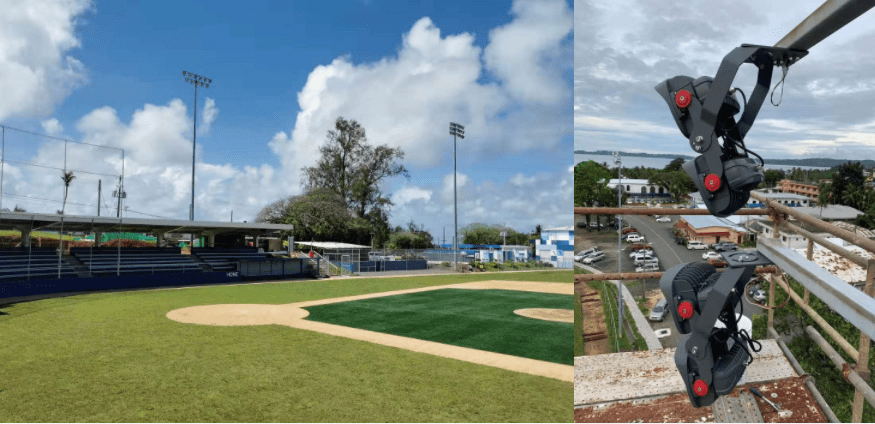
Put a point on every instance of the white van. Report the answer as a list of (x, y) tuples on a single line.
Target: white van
[(697, 245)]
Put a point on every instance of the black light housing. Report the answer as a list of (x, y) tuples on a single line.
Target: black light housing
[(711, 360), (724, 174)]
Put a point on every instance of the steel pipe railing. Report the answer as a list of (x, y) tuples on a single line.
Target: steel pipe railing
[(846, 235), (659, 211), (850, 374)]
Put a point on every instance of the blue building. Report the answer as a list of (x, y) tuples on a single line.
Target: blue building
[(556, 246)]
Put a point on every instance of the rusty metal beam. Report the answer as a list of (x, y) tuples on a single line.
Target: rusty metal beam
[(831, 16), (579, 278), (659, 211), (846, 235), (844, 367)]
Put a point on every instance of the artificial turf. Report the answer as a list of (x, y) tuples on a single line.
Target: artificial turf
[(109, 357), (478, 319)]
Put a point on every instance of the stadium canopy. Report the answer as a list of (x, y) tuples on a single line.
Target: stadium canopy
[(331, 245), (27, 222)]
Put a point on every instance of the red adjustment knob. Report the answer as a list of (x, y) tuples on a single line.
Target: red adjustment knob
[(683, 98), (712, 182), (685, 310), (700, 388)]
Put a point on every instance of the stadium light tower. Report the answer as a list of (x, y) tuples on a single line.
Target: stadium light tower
[(619, 162), (196, 80), (456, 130)]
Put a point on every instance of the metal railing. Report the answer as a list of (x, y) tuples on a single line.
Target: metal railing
[(855, 306)]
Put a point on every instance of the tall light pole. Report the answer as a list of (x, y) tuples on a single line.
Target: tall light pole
[(196, 80), (619, 162), (456, 130)]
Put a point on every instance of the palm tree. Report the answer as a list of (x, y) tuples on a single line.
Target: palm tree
[(68, 178)]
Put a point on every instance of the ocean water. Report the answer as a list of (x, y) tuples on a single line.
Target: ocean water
[(658, 163)]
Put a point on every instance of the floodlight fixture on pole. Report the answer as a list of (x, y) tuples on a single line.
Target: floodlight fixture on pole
[(456, 130), (196, 80)]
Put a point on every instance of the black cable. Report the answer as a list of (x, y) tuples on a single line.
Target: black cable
[(781, 83)]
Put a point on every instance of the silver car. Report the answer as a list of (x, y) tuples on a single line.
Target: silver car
[(659, 311)]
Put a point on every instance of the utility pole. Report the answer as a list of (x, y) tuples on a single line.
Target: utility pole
[(232, 216), (456, 130), (120, 194), (619, 162), (98, 197)]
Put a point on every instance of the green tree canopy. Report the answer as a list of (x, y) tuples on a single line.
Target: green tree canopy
[(480, 233), (678, 183), (676, 164), (353, 170)]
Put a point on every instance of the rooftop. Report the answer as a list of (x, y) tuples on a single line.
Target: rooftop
[(831, 212), (568, 228), (705, 221), (52, 222), (646, 387)]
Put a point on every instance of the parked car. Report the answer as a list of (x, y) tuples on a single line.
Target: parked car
[(725, 246), (595, 224), (697, 245), (588, 252), (718, 263), (680, 240), (630, 230), (760, 296), (648, 267), (663, 219), (658, 312), (711, 255), (642, 251), (594, 258), (581, 224), (634, 238), (645, 259), (639, 246)]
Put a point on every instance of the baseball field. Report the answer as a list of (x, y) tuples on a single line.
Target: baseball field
[(474, 347)]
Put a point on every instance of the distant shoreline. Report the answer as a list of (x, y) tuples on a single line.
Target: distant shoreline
[(818, 162)]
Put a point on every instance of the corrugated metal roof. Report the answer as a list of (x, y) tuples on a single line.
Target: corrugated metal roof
[(831, 212), (24, 220), (705, 221), (331, 245)]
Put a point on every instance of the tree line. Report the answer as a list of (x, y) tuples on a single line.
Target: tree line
[(343, 200)]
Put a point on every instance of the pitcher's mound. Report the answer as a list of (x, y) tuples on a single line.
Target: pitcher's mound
[(558, 315)]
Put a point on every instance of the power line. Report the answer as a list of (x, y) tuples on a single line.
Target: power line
[(60, 139), (78, 204), (59, 169)]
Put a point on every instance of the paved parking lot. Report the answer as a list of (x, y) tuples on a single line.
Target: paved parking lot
[(661, 237)]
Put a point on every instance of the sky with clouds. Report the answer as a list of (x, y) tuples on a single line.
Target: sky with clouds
[(623, 48), (109, 74)]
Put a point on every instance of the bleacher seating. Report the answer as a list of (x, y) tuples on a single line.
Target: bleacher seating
[(18, 263), (134, 260), (226, 258)]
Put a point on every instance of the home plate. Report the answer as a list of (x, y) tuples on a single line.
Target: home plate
[(665, 332)]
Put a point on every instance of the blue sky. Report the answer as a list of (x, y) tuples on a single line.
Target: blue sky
[(109, 73)]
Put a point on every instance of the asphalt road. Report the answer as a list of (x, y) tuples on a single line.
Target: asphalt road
[(660, 235)]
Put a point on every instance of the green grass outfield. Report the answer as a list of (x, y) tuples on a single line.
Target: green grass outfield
[(109, 357), (478, 319)]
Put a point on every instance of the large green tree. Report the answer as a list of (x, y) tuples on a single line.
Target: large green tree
[(848, 174), (355, 170), (678, 183)]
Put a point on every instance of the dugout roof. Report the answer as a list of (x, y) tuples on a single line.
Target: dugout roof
[(23, 221)]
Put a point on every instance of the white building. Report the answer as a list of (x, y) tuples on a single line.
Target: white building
[(786, 199), (640, 191), (507, 253), (556, 246)]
